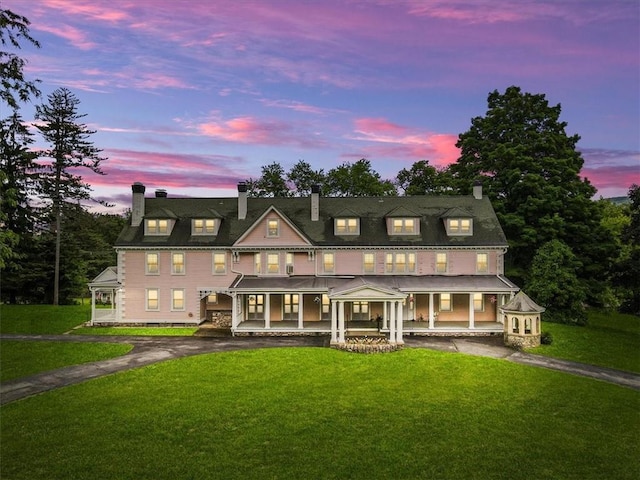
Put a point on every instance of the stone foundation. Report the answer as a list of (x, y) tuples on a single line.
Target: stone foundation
[(521, 341), (367, 345)]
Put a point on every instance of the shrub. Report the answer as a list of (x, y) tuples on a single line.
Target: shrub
[(546, 338)]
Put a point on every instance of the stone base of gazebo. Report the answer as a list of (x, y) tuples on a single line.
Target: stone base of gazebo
[(515, 340)]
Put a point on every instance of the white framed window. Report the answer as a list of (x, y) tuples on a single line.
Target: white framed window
[(257, 263), (177, 299), (325, 307), (400, 262), (291, 306), (404, 226), (156, 227), (152, 263), (328, 262), (212, 298), (219, 263), (204, 226), (478, 302), (289, 263), (273, 227), (445, 302), (482, 262), (347, 226), (152, 299), (273, 263), (441, 262), (459, 226), (369, 262), (177, 263), (360, 310)]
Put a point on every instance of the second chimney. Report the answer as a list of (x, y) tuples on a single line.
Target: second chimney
[(242, 200), (315, 203), (137, 204), (477, 190)]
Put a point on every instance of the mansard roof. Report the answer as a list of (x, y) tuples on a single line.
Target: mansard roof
[(372, 212)]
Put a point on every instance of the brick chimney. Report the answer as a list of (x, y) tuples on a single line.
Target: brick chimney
[(315, 203), (137, 204), (242, 200)]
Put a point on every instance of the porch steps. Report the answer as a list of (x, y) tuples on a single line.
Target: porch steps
[(363, 332)]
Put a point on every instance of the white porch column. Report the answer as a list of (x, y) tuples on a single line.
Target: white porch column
[(117, 295), (431, 323), (267, 310), (334, 322), (340, 321), (300, 311), (472, 319), (400, 320), (392, 323), (234, 311), (385, 315), (93, 305)]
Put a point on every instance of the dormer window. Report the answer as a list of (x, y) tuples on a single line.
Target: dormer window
[(273, 227), (156, 227), (204, 226), (404, 226), (459, 226), (347, 226)]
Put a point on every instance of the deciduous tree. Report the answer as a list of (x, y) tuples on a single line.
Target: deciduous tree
[(422, 179), (357, 180)]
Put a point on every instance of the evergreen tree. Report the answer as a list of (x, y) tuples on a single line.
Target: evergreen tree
[(70, 149)]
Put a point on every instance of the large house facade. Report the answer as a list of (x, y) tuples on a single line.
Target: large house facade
[(393, 266)]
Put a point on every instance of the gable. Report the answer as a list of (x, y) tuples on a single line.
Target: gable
[(273, 228)]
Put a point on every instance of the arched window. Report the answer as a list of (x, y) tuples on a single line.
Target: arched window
[(516, 324), (527, 325)]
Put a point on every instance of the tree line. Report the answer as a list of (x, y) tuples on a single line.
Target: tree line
[(566, 250)]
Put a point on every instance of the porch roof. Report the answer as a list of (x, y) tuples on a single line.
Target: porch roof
[(408, 283), (107, 279)]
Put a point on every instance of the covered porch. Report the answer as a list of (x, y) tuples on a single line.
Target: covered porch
[(105, 290)]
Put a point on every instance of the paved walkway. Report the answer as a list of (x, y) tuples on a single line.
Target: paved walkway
[(148, 350)]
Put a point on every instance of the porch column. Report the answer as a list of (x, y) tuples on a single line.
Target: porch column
[(385, 315), (300, 311), (392, 323), (340, 321), (117, 294), (472, 319), (431, 323), (267, 310), (93, 305), (334, 322), (234, 311), (400, 320)]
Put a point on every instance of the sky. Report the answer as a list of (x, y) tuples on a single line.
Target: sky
[(194, 96)]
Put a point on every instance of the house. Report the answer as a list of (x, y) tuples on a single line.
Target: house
[(392, 266)]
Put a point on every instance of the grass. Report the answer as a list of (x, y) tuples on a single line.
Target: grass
[(23, 358), (321, 413), (610, 340), (145, 331), (42, 319)]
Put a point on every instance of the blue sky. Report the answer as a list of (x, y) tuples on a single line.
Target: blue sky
[(194, 96)]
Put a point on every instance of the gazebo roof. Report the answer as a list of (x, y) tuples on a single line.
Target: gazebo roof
[(523, 304)]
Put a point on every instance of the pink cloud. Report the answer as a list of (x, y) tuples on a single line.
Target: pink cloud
[(76, 37), (391, 140)]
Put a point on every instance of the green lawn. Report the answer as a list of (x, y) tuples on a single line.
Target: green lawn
[(22, 358), (301, 413), (42, 319), (610, 340)]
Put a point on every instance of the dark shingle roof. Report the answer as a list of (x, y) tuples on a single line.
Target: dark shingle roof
[(372, 212)]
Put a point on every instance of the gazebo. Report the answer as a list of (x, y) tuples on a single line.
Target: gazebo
[(521, 321), (104, 289)]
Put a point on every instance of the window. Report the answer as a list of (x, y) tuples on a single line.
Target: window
[(177, 299), (482, 263), (328, 262), (445, 302), (400, 262), (347, 226), (516, 325), (478, 302), (441, 262), (406, 226), (177, 263), (212, 298), (273, 227), (153, 263), (153, 295), (219, 263), (360, 310), (204, 226), (459, 226), (255, 307), (257, 263), (369, 262), (291, 306), (325, 307), (273, 263), (289, 263), (527, 325), (157, 227)]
